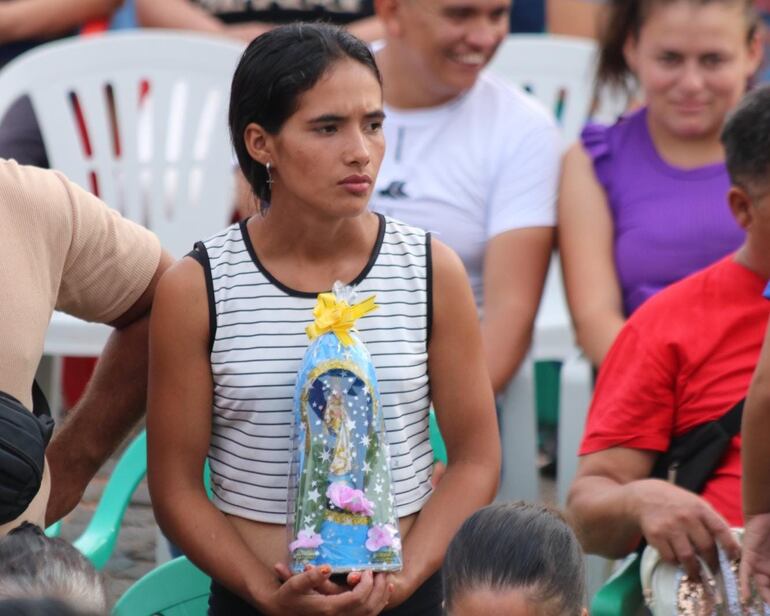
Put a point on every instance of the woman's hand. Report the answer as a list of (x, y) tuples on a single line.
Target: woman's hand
[(313, 593)]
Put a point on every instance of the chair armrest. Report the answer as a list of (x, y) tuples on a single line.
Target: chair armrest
[(100, 536)]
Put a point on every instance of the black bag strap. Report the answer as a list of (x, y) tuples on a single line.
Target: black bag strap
[(731, 420), (39, 402)]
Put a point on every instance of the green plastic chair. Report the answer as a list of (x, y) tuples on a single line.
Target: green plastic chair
[(621, 595), (436, 441), (98, 540), (100, 536), (176, 588)]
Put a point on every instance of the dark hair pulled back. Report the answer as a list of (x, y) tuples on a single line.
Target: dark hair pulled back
[(625, 18), (518, 545), (274, 71)]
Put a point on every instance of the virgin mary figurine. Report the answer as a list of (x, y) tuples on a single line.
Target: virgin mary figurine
[(341, 510)]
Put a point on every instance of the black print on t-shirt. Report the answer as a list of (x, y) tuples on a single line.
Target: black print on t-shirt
[(394, 190), (222, 7)]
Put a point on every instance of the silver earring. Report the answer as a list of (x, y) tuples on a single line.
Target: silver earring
[(269, 176)]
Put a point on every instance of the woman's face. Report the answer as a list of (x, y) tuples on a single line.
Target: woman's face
[(693, 62), (491, 602), (327, 155)]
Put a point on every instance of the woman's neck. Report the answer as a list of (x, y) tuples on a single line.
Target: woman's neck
[(307, 251), (685, 153)]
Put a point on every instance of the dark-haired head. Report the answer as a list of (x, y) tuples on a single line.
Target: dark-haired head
[(746, 138), (624, 23), (273, 73), (520, 548)]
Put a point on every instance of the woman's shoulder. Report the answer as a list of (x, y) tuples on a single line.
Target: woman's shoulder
[(397, 230), (607, 145), (230, 234), (604, 140)]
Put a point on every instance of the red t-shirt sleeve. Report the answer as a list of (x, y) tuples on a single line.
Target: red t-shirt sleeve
[(633, 403)]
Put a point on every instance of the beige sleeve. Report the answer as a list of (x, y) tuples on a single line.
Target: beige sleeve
[(109, 263)]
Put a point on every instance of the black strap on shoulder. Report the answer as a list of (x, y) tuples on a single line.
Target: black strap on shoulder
[(201, 255), (731, 420)]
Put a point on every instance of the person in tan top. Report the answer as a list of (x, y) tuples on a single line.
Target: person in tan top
[(62, 248)]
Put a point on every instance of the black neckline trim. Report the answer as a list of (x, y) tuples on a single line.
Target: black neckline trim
[(293, 292)]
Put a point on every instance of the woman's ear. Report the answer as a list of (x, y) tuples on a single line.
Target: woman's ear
[(631, 53), (257, 141), (756, 51)]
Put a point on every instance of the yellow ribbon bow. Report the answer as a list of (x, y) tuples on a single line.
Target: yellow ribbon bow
[(336, 315)]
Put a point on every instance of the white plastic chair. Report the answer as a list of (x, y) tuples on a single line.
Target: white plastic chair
[(138, 118), (557, 70)]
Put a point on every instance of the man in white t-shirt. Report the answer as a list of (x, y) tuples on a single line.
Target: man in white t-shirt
[(470, 158)]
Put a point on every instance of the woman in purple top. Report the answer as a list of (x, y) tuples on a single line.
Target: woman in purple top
[(643, 202)]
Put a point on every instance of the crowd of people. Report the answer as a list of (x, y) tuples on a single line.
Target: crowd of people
[(662, 222)]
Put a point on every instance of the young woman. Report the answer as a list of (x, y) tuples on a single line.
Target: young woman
[(643, 202), (228, 335), (517, 559)]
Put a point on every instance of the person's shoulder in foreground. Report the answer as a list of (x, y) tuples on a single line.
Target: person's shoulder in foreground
[(99, 262)]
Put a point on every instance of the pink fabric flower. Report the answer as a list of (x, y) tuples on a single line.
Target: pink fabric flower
[(382, 536), (344, 497), (306, 538)]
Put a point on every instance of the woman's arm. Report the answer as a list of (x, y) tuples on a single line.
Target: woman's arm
[(587, 257), (177, 14), (755, 434), (183, 15), (26, 19), (515, 265), (178, 435), (465, 409)]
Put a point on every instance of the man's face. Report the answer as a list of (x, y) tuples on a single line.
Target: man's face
[(449, 42)]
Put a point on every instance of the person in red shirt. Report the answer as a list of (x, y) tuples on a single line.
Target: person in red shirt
[(684, 358)]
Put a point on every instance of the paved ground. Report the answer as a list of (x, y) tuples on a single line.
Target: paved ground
[(135, 552)]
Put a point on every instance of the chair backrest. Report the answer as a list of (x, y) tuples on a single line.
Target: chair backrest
[(138, 118), (176, 588), (622, 592), (557, 70)]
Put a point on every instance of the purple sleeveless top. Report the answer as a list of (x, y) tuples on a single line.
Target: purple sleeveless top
[(669, 222)]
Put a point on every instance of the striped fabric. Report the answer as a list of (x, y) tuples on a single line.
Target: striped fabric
[(257, 345)]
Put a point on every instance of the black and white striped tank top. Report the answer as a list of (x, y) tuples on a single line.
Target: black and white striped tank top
[(259, 340)]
